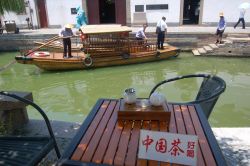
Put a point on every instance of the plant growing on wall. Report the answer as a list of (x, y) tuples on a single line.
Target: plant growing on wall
[(11, 5)]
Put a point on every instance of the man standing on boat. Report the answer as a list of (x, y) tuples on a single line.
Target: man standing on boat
[(161, 29), (140, 34), (66, 33)]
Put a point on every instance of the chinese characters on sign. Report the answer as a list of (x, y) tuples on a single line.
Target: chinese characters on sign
[(168, 147)]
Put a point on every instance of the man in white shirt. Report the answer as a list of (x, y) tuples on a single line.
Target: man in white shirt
[(241, 19), (140, 34), (161, 32)]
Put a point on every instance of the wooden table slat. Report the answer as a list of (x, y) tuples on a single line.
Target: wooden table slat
[(110, 153), (102, 147), (90, 150), (123, 144), (191, 131), (172, 123), (206, 151), (179, 120), (179, 124), (87, 137), (133, 145)]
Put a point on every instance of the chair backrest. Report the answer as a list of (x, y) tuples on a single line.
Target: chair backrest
[(208, 94)]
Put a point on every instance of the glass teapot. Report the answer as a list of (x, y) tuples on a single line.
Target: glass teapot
[(129, 96)]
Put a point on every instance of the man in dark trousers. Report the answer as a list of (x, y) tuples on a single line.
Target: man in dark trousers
[(241, 19), (66, 33), (162, 29)]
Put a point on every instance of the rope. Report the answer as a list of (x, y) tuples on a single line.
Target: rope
[(7, 66)]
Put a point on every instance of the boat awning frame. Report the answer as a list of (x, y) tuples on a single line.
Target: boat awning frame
[(102, 29)]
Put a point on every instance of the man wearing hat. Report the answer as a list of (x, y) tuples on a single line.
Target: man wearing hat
[(221, 28), (66, 33)]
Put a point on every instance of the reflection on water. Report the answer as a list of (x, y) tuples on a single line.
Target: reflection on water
[(70, 95)]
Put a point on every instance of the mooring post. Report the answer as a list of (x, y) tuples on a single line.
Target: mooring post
[(13, 113)]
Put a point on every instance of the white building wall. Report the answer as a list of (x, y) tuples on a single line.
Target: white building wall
[(59, 12), (212, 8), (172, 14)]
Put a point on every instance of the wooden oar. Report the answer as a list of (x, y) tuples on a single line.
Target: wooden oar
[(50, 41), (14, 61)]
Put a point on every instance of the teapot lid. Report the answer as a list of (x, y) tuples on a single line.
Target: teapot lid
[(130, 90)]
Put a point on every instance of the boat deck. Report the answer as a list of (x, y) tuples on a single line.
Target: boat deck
[(59, 55)]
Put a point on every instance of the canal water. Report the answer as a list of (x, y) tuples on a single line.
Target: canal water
[(69, 96)]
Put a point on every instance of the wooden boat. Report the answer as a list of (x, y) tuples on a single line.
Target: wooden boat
[(101, 46)]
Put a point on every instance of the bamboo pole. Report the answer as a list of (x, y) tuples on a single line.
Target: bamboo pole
[(50, 41)]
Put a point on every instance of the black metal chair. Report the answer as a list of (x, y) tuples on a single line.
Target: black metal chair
[(18, 150), (208, 94)]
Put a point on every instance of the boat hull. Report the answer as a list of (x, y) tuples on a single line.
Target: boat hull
[(79, 62)]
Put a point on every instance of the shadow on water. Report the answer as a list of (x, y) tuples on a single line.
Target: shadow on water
[(70, 95)]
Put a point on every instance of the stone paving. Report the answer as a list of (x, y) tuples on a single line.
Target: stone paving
[(235, 145), (234, 142)]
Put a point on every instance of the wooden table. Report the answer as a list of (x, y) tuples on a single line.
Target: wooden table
[(103, 140)]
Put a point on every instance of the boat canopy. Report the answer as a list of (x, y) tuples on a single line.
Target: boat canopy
[(100, 29)]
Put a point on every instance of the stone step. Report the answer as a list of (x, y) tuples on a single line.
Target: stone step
[(239, 40), (196, 52), (228, 41), (238, 35), (221, 45), (213, 46), (202, 50), (208, 48)]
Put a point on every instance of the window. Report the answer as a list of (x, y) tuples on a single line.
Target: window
[(157, 7), (139, 8), (73, 10)]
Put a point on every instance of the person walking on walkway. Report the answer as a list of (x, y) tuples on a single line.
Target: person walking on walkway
[(140, 34), (66, 33), (241, 19), (161, 29), (221, 28)]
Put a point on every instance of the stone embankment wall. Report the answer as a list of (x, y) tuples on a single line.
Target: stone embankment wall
[(13, 42), (186, 42)]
